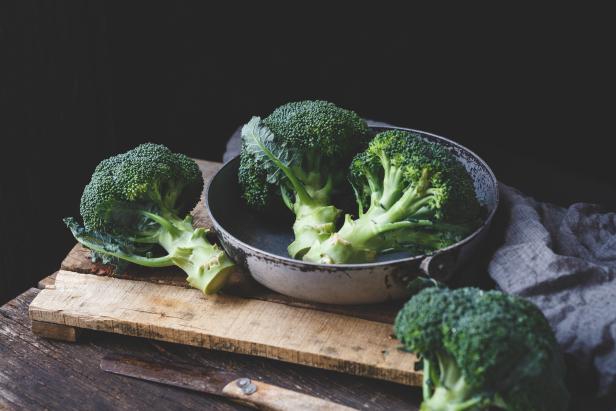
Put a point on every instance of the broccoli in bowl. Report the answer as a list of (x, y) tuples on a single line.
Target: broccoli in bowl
[(413, 194)]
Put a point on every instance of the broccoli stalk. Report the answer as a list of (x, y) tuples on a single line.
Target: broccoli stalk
[(314, 218), (482, 349), (445, 389), (362, 239), (206, 265), (413, 188), (133, 204), (296, 153)]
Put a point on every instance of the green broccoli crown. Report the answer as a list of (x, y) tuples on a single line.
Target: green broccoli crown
[(312, 138), (421, 164), (418, 324), (320, 125), (502, 346), (148, 177), (253, 178)]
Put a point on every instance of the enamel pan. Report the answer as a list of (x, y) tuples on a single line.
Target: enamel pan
[(259, 243)]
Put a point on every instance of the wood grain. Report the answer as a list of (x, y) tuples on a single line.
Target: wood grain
[(50, 280), (58, 332), (249, 326), (37, 373), (272, 398)]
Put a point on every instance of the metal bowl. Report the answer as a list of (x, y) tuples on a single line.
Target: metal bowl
[(259, 244)]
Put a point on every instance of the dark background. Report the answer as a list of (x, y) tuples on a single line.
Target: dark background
[(531, 91)]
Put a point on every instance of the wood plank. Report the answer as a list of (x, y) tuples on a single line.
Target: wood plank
[(229, 323), (241, 284), (50, 280), (36, 373), (58, 332)]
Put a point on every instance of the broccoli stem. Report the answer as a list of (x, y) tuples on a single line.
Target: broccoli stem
[(164, 261), (206, 265), (315, 218), (392, 183), (313, 224), (360, 240), (396, 220), (105, 244), (444, 387), (427, 384), (445, 399)]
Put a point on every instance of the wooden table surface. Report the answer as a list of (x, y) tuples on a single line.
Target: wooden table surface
[(36, 373)]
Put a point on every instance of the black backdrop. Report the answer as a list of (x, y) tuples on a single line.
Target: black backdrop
[(531, 91)]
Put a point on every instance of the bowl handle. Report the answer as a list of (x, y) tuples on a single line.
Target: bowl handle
[(439, 266)]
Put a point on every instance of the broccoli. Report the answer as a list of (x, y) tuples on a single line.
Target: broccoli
[(483, 349), (413, 195), (141, 199), (294, 154)]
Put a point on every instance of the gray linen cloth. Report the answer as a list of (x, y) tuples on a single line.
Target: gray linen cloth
[(564, 261)]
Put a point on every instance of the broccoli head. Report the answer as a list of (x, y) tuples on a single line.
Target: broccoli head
[(294, 155), (139, 201), (413, 194), (483, 349)]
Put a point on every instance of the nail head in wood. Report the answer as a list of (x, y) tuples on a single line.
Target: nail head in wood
[(246, 386)]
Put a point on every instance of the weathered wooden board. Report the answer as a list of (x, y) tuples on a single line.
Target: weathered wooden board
[(42, 374), (240, 284), (229, 323)]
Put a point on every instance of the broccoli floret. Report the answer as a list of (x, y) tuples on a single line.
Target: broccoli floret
[(295, 154), (412, 194), (141, 199), (483, 349)]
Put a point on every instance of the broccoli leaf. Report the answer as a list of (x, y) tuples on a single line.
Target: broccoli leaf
[(276, 158)]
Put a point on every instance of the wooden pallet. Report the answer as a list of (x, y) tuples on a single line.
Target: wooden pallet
[(247, 319)]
